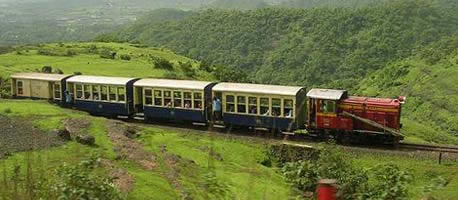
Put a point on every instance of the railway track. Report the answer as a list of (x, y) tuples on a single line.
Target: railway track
[(294, 140), (428, 147)]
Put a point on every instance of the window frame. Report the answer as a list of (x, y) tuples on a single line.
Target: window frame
[(106, 93), (201, 99), (20, 87), (293, 107), (81, 90), (170, 97), (110, 93), (124, 93), (251, 104), (98, 92), (148, 96), (84, 92), (187, 99), (245, 104), (59, 91), (226, 103), (176, 98), (323, 104), (161, 97)]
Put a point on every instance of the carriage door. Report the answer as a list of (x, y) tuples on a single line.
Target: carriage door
[(138, 99), (312, 112)]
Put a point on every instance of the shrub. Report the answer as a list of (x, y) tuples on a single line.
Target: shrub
[(187, 69), (125, 57), (7, 110), (46, 69), (107, 54), (391, 183), (80, 182), (46, 52), (161, 63), (331, 163), (71, 52)]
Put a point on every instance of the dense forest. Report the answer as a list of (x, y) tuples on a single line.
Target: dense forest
[(335, 47)]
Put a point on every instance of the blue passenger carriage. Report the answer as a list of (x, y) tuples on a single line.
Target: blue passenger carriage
[(178, 100), (274, 107), (108, 96)]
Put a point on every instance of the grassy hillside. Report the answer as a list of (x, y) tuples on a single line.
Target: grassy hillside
[(87, 59), (429, 81), (179, 163)]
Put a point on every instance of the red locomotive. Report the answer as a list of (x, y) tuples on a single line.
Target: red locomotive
[(333, 113)]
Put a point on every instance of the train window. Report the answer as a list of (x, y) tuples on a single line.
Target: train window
[(230, 103), (87, 92), (96, 92), (197, 100), (177, 97), (276, 107), (112, 93), (328, 106), (168, 98), (264, 106), (20, 88), (241, 104), (157, 97), (253, 105), (187, 99), (79, 91), (104, 93), (288, 108), (56, 88), (148, 97), (121, 94)]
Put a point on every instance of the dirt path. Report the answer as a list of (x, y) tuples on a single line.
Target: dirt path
[(126, 147)]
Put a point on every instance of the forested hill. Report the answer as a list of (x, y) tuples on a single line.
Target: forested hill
[(334, 47)]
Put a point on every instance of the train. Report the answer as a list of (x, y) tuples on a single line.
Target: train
[(277, 108)]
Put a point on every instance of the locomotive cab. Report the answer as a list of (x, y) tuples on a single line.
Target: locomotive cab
[(323, 108)]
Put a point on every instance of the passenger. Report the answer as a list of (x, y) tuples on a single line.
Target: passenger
[(187, 105), (216, 109), (96, 97), (267, 113), (254, 110), (68, 97), (169, 104), (290, 113)]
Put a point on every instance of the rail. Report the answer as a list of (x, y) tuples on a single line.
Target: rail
[(428, 147)]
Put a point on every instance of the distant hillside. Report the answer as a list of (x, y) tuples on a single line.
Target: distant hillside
[(41, 21), (238, 4), (341, 45), (108, 59)]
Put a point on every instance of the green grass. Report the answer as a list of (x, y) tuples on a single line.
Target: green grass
[(90, 63), (239, 170), (239, 167)]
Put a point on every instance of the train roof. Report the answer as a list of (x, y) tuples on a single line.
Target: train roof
[(372, 101), (175, 84), (40, 76), (257, 88), (326, 94), (99, 80)]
